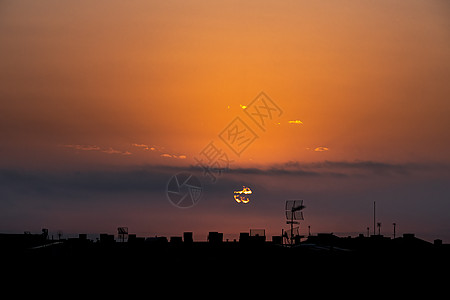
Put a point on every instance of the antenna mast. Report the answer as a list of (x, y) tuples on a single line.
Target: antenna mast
[(373, 217), (293, 213)]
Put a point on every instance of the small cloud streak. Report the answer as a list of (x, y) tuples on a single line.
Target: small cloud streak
[(109, 150), (167, 155), (83, 147), (159, 149), (140, 146), (147, 147), (321, 149), (114, 151), (297, 122)]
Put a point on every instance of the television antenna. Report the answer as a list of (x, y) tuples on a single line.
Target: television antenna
[(294, 214), (289, 235), (122, 232)]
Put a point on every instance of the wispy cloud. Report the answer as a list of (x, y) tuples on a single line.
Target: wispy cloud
[(293, 122), (114, 151), (167, 155), (108, 150), (337, 169), (83, 147), (348, 168), (148, 147), (140, 146), (66, 184), (160, 149), (154, 177)]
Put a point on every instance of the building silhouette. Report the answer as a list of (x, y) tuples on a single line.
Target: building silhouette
[(324, 251)]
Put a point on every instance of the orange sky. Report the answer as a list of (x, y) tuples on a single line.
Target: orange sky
[(368, 80), (82, 81)]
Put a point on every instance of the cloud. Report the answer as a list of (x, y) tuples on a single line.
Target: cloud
[(374, 167), (273, 170), (109, 150), (64, 184), (68, 184), (148, 147), (140, 146), (159, 149), (321, 149), (114, 151), (83, 147), (342, 169), (297, 122), (167, 155)]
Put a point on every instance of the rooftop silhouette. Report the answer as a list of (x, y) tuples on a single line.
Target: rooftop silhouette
[(324, 254), (27, 244)]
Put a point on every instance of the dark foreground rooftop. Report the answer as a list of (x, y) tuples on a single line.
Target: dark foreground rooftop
[(322, 264), (160, 252)]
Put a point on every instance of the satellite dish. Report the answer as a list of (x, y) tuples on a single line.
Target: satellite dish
[(294, 214), (294, 210)]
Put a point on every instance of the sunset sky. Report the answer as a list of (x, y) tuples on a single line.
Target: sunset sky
[(102, 102)]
